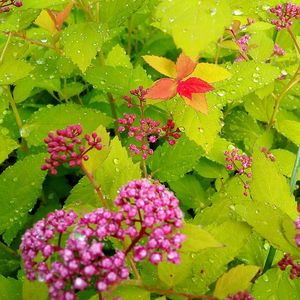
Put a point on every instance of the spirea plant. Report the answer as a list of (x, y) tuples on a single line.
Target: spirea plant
[(149, 150)]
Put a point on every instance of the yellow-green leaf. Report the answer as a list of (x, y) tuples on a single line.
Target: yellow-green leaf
[(236, 279), (210, 72), (45, 21), (161, 64)]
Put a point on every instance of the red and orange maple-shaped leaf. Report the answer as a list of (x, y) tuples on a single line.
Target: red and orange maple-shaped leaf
[(191, 89)]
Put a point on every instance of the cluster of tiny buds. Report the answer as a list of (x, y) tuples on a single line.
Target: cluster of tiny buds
[(70, 254), (241, 163), (268, 154), (65, 146), (6, 4), (286, 262), (278, 50), (240, 296), (151, 212), (146, 131), (285, 14), (297, 226), (243, 44)]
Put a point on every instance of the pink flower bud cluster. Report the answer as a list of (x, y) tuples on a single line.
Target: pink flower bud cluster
[(243, 44), (5, 5), (145, 131), (285, 14), (286, 262), (151, 211), (268, 154), (278, 51), (70, 255), (297, 226), (241, 163), (240, 296), (66, 147)]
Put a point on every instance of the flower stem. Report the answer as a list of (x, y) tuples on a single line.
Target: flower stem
[(95, 185)]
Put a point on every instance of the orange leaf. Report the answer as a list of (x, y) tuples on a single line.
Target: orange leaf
[(161, 64), (164, 88), (198, 102), (59, 17), (184, 66)]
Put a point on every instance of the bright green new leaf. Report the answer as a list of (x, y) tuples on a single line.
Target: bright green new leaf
[(197, 239), (118, 57), (129, 293), (290, 129), (260, 46), (20, 186), (193, 24), (43, 4), (210, 169), (58, 117), (235, 280)]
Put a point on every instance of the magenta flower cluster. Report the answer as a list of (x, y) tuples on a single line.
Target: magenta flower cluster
[(287, 261), (243, 44), (240, 296), (5, 5), (69, 254), (66, 147), (278, 50), (268, 154), (297, 226), (241, 163), (151, 211), (285, 14), (145, 131)]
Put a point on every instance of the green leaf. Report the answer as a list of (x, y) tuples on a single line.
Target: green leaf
[(116, 170), (268, 221), (259, 25), (210, 169), (290, 129), (198, 127), (81, 42), (118, 57), (261, 46), (129, 293), (171, 274), (235, 280), (9, 262), (170, 162), (183, 19), (12, 70), (10, 288), (20, 186), (42, 4), (34, 290), (275, 191), (7, 146), (276, 285), (197, 239), (58, 117)]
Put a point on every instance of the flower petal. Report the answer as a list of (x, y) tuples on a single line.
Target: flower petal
[(184, 66), (164, 88), (193, 85), (161, 64), (198, 102)]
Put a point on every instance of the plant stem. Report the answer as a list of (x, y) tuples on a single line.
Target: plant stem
[(13, 105), (5, 48), (95, 185), (294, 39), (129, 36), (112, 103), (269, 260), (8, 250)]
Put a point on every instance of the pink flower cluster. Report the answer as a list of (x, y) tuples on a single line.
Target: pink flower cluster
[(287, 261), (70, 255), (241, 163), (66, 147), (6, 4), (285, 14), (243, 44), (146, 131), (240, 296), (297, 226), (268, 154), (151, 211), (278, 50)]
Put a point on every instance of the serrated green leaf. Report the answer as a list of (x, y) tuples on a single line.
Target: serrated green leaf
[(276, 285), (290, 129), (81, 42), (116, 170), (261, 46), (276, 191), (118, 57), (183, 19), (235, 280), (209, 169), (170, 162), (7, 146), (10, 288), (21, 185), (197, 239), (58, 117)]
